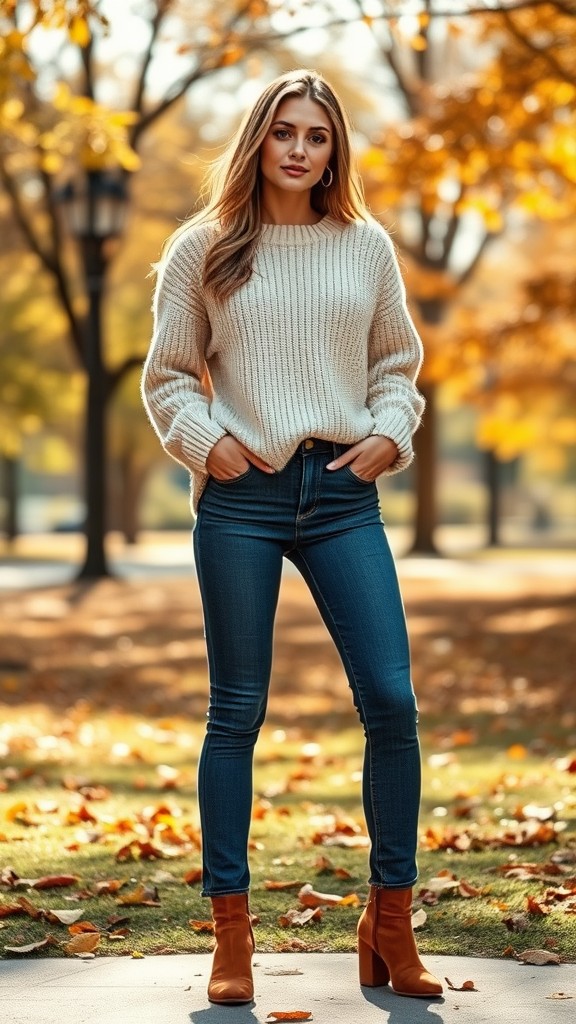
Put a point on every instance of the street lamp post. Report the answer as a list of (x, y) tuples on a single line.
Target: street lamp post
[(94, 211)]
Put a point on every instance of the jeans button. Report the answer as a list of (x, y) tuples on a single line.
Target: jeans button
[(309, 443)]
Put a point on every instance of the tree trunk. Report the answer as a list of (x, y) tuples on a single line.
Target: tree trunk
[(10, 474), (425, 467), (95, 565), (493, 486)]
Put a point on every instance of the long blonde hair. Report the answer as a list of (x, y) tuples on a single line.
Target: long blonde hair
[(233, 183)]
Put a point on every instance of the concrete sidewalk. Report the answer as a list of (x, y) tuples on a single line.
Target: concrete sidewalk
[(172, 990)]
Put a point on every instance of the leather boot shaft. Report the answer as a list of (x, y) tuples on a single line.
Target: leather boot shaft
[(231, 978), (387, 947)]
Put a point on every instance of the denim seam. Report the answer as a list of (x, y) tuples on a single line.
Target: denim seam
[(368, 740), (212, 690)]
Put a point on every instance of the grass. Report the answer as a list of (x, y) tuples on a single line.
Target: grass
[(106, 685), (324, 780)]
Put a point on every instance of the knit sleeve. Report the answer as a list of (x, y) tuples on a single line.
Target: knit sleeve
[(394, 359), (171, 387)]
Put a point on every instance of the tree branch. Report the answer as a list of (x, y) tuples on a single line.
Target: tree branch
[(161, 11), (543, 52), (22, 219), (57, 267)]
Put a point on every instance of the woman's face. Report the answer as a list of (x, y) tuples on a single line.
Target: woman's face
[(298, 145)]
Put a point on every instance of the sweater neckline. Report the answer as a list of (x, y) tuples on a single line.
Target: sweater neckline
[(297, 234)]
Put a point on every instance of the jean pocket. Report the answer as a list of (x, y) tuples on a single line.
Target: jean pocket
[(358, 479), (234, 479)]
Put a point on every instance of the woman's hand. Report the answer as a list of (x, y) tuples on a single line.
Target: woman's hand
[(229, 458), (369, 457)]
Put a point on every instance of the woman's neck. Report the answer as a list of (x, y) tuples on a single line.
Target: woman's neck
[(283, 209)]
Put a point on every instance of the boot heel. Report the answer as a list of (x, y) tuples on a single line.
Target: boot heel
[(373, 970)]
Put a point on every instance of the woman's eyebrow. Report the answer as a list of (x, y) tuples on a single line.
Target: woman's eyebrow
[(318, 128)]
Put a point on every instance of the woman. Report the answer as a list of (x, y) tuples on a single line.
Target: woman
[(281, 374)]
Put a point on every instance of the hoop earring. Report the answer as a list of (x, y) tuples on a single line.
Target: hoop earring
[(327, 183)]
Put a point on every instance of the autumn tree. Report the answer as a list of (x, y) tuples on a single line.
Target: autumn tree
[(56, 128), (485, 131)]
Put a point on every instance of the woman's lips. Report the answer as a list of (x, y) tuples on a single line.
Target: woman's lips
[(294, 172)]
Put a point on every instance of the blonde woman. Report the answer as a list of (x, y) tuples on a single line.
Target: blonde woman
[(281, 374)]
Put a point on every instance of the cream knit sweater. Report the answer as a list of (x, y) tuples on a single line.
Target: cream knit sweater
[(318, 343)]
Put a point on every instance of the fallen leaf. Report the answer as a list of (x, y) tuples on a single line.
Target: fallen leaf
[(85, 942), (534, 906), (308, 897), (82, 928), (193, 877), (54, 881), (63, 916), (11, 908), (560, 995), (201, 926), (271, 884), (32, 946), (143, 896), (288, 1015), (516, 922), (467, 986), (293, 918), (419, 918), (109, 885), (538, 957), (136, 955)]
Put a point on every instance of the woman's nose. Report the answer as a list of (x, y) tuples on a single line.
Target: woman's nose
[(297, 147)]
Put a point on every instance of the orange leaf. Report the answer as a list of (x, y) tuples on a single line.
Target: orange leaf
[(308, 897), (11, 908), (83, 943), (289, 1015), (142, 895), (467, 986), (300, 917), (535, 906), (83, 928), (202, 926), (193, 877), (270, 884), (54, 881), (110, 885)]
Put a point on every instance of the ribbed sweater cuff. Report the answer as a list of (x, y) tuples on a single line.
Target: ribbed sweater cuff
[(199, 439), (398, 431)]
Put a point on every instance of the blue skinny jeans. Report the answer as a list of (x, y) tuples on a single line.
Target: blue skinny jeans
[(327, 522)]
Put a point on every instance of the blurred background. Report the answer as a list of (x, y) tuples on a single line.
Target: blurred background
[(464, 125)]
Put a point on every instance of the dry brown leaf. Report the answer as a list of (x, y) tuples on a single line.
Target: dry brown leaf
[(11, 908), (308, 897), (62, 916), (560, 995), (271, 884), (109, 885), (32, 946), (538, 957), (516, 922), (419, 918), (54, 881), (293, 918), (288, 1015), (83, 927), (467, 890), (143, 896), (201, 926), (535, 906), (466, 986), (86, 942), (193, 876), (30, 908)]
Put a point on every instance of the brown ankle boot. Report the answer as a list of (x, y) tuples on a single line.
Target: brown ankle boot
[(231, 978), (387, 948)]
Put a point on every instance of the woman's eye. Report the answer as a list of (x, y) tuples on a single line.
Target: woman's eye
[(280, 133), (318, 138)]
